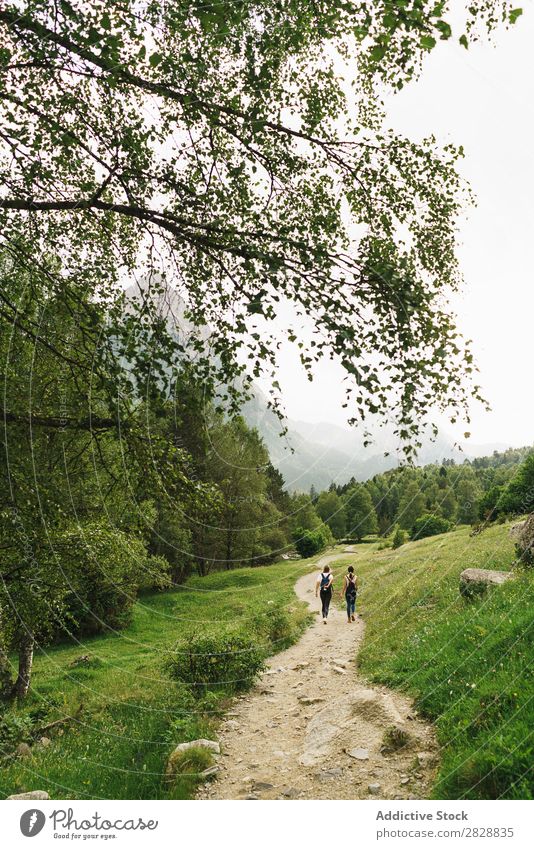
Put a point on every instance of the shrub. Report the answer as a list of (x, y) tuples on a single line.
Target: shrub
[(230, 660), (103, 566), (275, 625), (429, 525), (14, 729), (155, 573), (309, 543), (399, 538)]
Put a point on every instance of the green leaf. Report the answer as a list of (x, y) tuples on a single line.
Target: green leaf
[(427, 42), (155, 59), (463, 41), (515, 14)]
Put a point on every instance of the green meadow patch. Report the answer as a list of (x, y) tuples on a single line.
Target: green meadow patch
[(129, 711), (470, 666)]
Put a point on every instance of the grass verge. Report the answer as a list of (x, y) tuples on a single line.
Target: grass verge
[(468, 665), (133, 713)]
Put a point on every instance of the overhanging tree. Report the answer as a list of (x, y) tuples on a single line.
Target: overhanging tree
[(217, 144)]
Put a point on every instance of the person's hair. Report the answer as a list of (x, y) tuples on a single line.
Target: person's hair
[(326, 569), (351, 569)]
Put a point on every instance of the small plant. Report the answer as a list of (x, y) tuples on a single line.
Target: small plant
[(229, 660), (396, 738), (399, 538), (14, 729), (188, 768)]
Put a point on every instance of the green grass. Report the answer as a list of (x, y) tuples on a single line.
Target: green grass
[(133, 713), (469, 665)]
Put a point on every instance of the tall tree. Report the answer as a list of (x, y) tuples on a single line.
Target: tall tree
[(360, 512), (411, 506), (219, 145), (331, 510)]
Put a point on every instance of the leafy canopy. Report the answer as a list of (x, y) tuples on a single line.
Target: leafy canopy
[(218, 145)]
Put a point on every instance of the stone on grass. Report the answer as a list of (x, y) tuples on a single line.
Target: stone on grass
[(23, 750), (32, 794), (212, 745), (475, 582)]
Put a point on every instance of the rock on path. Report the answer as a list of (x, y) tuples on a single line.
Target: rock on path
[(297, 732)]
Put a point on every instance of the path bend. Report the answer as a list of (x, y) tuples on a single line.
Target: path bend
[(313, 728)]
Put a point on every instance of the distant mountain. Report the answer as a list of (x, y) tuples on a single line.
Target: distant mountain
[(315, 454), (311, 454)]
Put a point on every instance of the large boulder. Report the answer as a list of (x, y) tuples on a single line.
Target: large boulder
[(475, 582), (32, 794), (516, 530), (525, 540)]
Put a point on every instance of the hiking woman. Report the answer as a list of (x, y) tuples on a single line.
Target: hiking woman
[(324, 585), (350, 591)]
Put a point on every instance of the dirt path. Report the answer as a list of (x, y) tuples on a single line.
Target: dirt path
[(314, 729)]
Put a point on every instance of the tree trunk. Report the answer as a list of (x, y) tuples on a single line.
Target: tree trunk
[(26, 647), (6, 682)]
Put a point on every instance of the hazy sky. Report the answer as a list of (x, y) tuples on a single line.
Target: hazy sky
[(483, 99)]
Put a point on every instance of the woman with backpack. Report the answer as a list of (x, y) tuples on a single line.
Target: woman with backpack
[(350, 591), (324, 586)]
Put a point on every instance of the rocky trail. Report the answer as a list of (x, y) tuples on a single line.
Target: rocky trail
[(314, 729)]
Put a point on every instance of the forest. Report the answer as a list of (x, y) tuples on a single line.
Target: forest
[(238, 155)]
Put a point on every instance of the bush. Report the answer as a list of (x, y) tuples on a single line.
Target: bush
[(229, 660), (155, 574), (103, 567), (399, 538), (14, 729), (429, 525), (309, 543), (276, 626)]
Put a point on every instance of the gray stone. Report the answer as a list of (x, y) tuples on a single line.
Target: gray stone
[(32, 794), (45, 741), (423, 758), (232, 725), (251, 796), (525, 540), (516, 530), (359, 754), (374, 788), (290, 792), (212, 745), (339, 670), (259, 786), (476, 581)]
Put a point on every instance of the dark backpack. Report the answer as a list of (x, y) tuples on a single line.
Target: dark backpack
[(324, 580), (351, 587)]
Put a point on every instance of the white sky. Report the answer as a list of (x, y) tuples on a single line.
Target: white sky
[(483, 99)]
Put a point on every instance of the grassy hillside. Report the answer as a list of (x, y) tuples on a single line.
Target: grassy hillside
[(133, 713), (470, 666)]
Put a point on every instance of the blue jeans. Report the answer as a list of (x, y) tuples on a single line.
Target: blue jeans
[(351, 605)]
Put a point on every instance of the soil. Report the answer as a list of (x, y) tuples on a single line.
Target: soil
[(313, 728)]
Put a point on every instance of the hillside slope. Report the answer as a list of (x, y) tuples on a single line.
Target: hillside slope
[(469, 665)]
